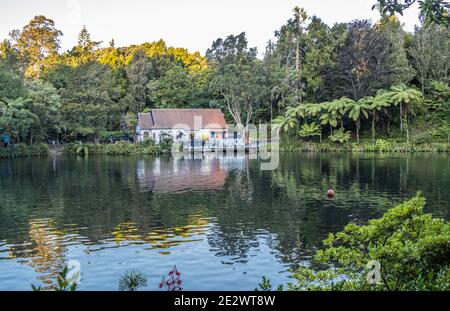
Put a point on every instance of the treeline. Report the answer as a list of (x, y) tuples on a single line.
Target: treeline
[(94, 94)]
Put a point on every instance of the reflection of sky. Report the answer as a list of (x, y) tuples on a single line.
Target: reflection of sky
[(104, 263), (226, 237)]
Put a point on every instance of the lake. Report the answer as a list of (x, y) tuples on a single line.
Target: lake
[(221, 220)]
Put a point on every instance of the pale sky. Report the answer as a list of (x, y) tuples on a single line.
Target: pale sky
[(193, 24)]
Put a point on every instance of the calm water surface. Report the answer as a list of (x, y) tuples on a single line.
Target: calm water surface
[(221, 220)]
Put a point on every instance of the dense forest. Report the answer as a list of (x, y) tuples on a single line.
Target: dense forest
[(312, 80)]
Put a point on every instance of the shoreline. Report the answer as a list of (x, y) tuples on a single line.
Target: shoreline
[(132, 149)]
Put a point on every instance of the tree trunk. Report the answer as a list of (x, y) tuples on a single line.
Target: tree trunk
[(401, 116), (357, 131), (373, 128), (298, 70), (389, 127), (407, 130)]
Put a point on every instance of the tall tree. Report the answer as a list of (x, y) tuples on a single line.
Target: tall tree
[(322, 45), (291, 42), (399, 70), (90, 101), (137, 72), (405, 98), (173, 90), (84, 51), (11, 83), (430, 53), (362, 62), (38, 44), (238, 77), (45, 103), (15, 119), (357, 111)]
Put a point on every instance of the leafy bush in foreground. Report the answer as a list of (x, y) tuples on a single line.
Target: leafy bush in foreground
[(413, 249), (63, 282)]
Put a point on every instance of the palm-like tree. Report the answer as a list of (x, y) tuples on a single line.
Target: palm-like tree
[(377, 104), (340, 107), (285, 123), (330, 116), (357, 111), (312, 111), (404, 97)]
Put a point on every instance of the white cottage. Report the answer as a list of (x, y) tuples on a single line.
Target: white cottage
[(185, 125)]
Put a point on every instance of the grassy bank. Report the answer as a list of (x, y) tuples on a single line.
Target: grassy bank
[(119, 148), (381, 145), (23, 150)]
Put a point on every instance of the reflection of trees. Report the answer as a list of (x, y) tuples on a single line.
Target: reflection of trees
[(237, 208), (161, 238), (47, 253)]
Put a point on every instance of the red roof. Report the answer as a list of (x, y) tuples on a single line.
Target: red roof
[(182, 119)]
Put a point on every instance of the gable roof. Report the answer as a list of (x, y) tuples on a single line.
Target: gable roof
[(181, 118)]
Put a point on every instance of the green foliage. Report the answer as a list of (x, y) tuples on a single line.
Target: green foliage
[(308, 130), (45, 103), (412, 247), (118, 148), (11, 84), (284, 123), (37, 44), (430, 51), (23, 150), (310, 73), (422, 138), (238, 77), (340, 136), (15, 119), (407, 99), (382, 145), (432, 11), (266, 286), (63, 283), (131, 281)]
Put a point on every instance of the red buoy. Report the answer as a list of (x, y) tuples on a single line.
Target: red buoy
[(330, 193)]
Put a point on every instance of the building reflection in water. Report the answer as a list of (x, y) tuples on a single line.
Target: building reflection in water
[(191, 173), (197, 172)]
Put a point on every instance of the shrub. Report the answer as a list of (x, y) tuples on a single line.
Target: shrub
[(340, 136), (412, 248), (308, 130), (421, 138), (119, 148), (24, 150), (382, 145)]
